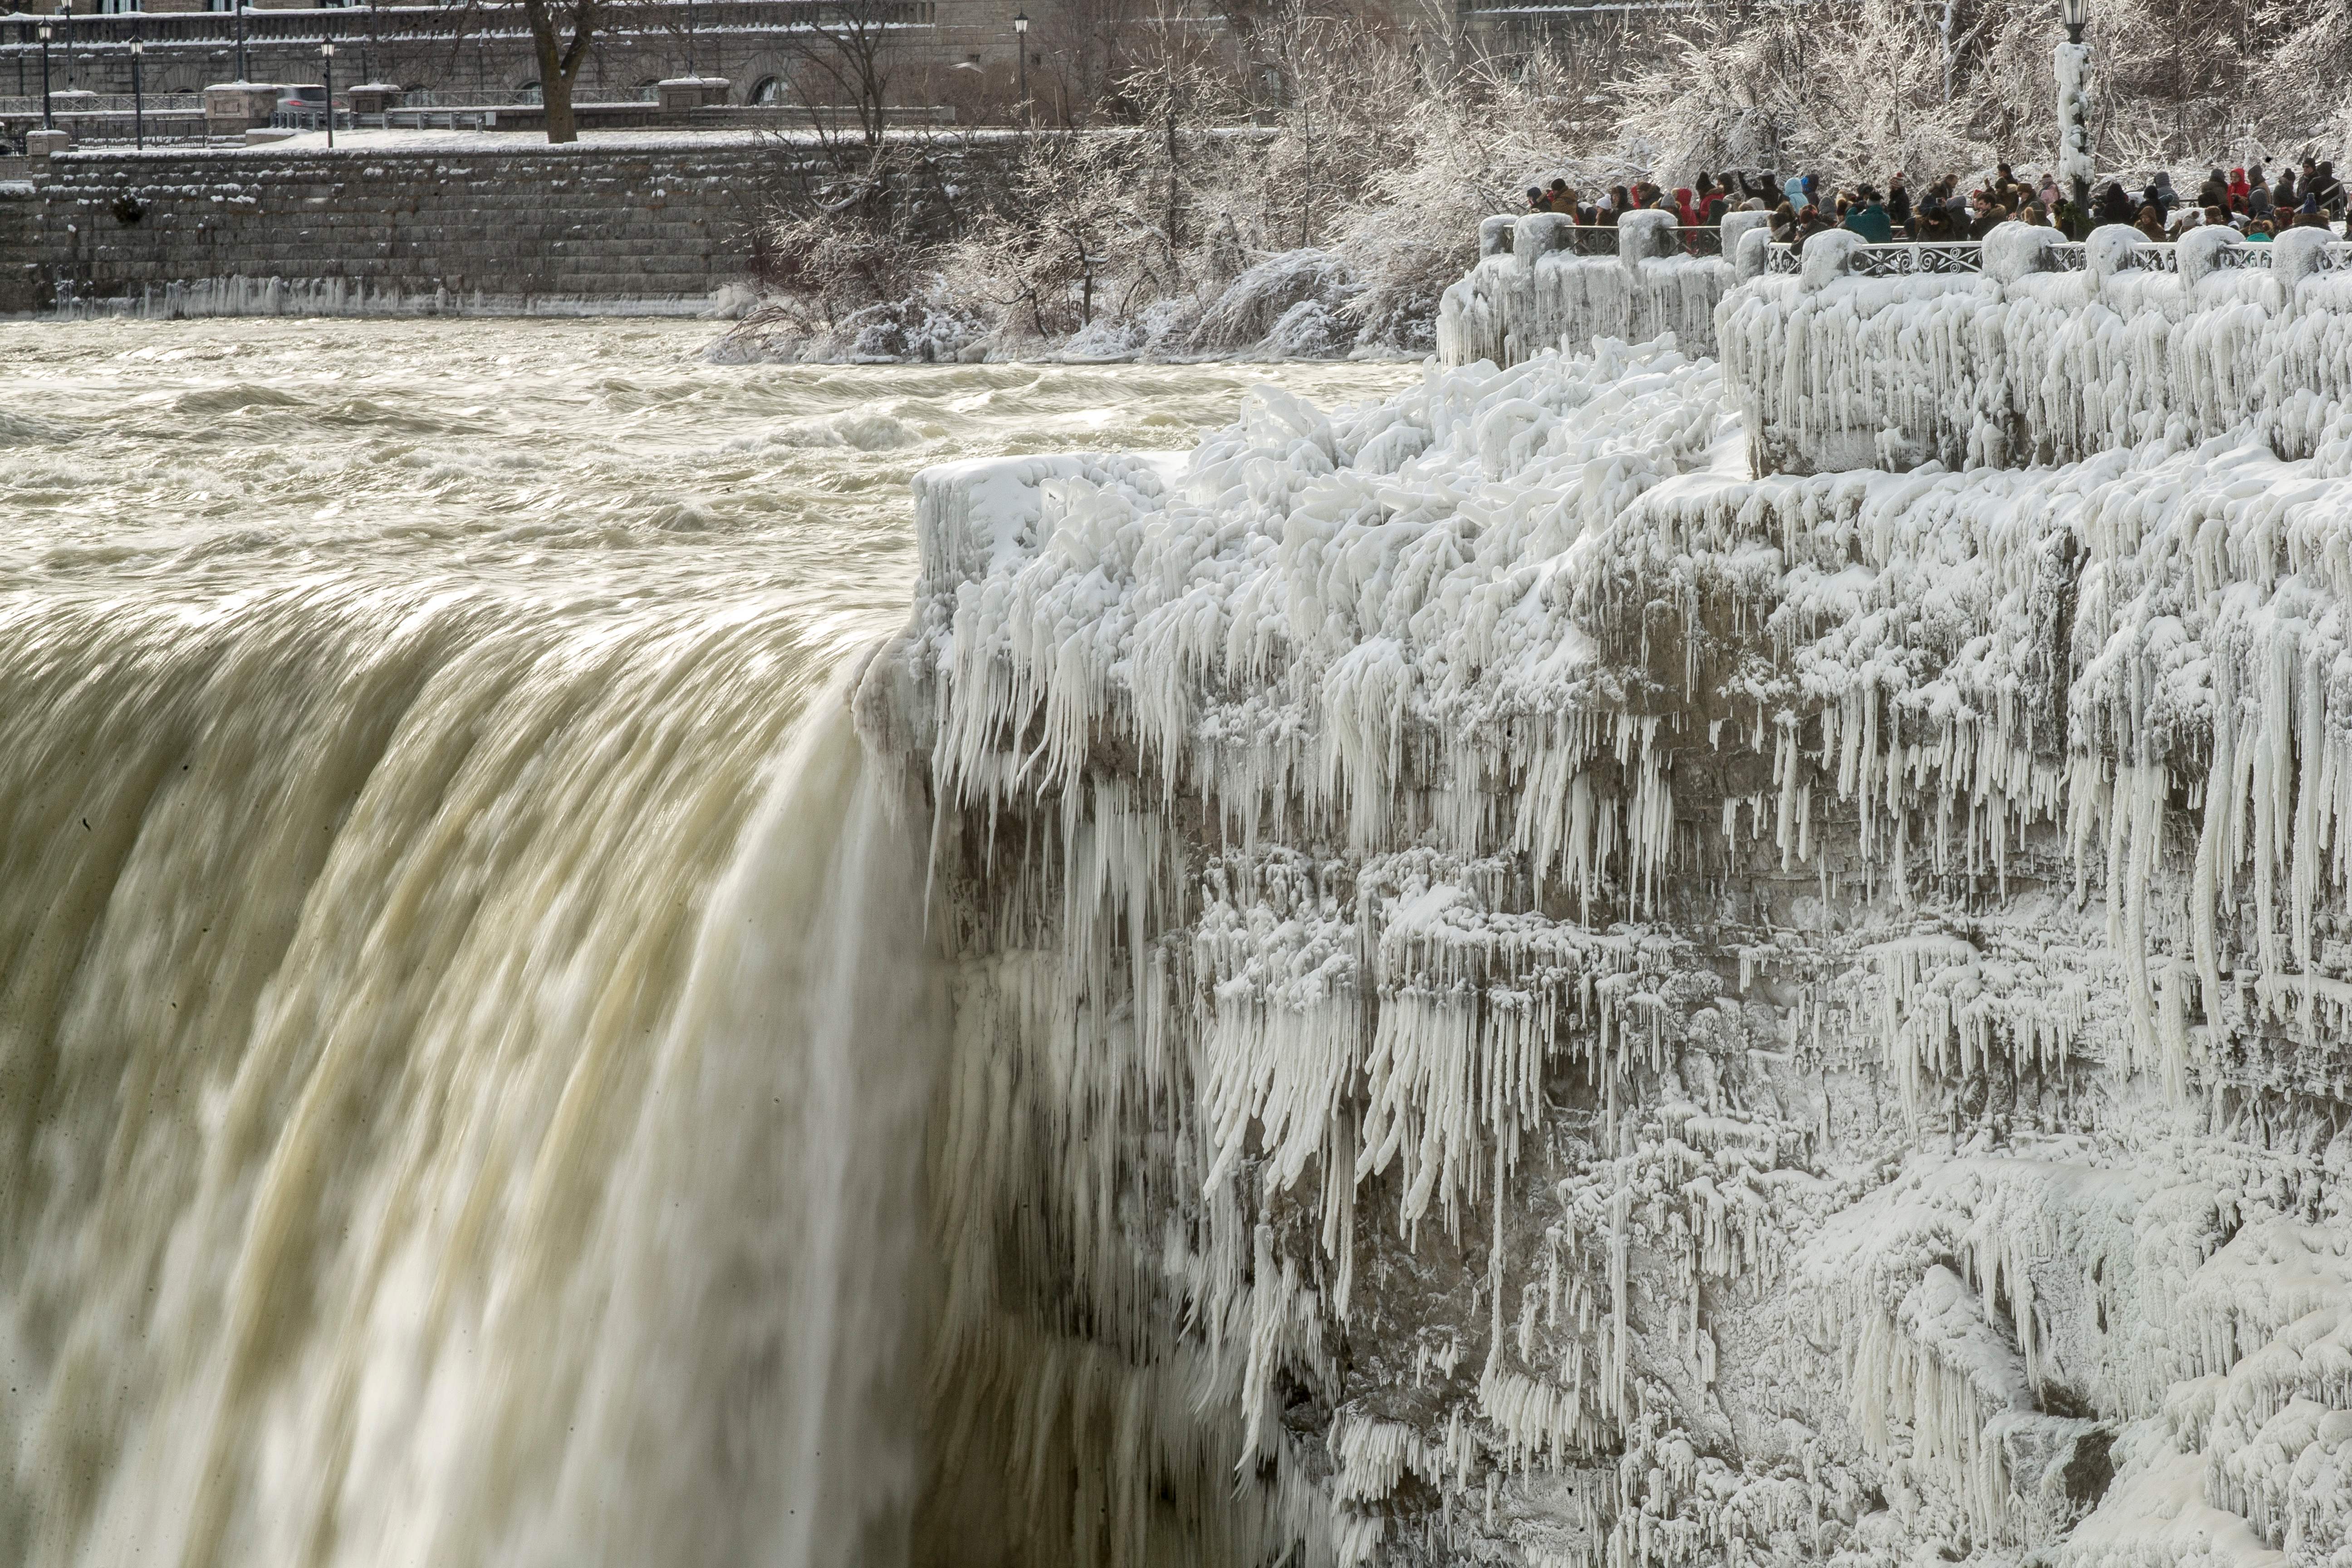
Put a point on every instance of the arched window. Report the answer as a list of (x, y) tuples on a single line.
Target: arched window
[(649, 90), (768, 92), (529, 92)]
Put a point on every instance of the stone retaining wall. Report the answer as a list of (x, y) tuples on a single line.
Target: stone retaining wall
[(405, 227)]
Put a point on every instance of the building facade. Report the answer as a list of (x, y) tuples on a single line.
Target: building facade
[(958, 55)]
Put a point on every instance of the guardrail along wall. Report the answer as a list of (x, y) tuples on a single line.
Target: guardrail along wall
[(2029, 350), (1543, 283)]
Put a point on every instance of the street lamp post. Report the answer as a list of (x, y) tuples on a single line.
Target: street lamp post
[(1020, 59), (2072, 60), (138, 95), (48, 121), (240, 41), (327, 60)]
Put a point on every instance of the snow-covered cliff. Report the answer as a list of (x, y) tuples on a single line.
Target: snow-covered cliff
[(1528, 996)]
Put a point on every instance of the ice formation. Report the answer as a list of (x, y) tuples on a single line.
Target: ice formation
[(1530, 292), (2026, 364), (1528, 995)]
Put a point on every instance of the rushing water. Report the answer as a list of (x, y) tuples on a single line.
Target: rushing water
[(463, 1040)]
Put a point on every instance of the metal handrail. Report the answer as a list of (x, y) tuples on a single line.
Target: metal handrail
[(74, 101)]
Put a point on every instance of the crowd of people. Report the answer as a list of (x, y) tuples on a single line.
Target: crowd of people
[(2249, 199)]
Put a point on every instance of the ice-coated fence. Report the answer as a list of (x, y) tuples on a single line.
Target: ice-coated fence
[(1542, 281), (2027, 349)]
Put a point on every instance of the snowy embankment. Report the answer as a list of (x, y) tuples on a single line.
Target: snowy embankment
[(1531, 292), (1525, 995), (1295, 304), (2022, 364)]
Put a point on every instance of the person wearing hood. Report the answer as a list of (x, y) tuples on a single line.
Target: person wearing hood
[(2114, 206), (2284, 197), (2214, 191), (2160, 193), (1685, 210), (2258, 196), (2239, 189), (1868, 218), (2327, 189), (1898, 202)]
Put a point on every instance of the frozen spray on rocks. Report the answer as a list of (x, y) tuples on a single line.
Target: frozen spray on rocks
[(1525, 995)]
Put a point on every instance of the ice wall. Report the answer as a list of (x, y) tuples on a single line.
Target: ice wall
[(2022, 364), (1526, 996), (1531, 291)]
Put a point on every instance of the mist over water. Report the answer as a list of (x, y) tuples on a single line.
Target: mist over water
[(464, 1041)]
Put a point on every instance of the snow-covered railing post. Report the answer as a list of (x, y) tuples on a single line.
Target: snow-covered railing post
[(1495, 234), (2013, 251), (2298, 254), (1645, 236), (1747, 243), (1538, 234), (2200, 252), (1827, 256)]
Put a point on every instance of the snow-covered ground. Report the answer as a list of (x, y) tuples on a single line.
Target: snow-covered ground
[(1553, 1001)]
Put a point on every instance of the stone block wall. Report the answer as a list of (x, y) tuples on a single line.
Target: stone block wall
[(497, 228)]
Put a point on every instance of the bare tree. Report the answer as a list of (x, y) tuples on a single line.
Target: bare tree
[(845, 49), (561, 32)]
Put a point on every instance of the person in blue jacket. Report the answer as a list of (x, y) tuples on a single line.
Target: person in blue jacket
[(1868, 218)]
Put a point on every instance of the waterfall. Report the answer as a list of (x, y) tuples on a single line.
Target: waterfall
[(463, 1082)]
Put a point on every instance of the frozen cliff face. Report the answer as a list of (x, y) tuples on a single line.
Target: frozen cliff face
[(1528, 997), (2022, 364)]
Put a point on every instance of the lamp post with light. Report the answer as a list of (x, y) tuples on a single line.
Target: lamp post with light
[(2072, 61), (1020, 59), (138, 96), (327, 62), (48, 121)]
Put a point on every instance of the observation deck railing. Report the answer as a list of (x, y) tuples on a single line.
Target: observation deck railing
[(1933, 257), (1601, 238)]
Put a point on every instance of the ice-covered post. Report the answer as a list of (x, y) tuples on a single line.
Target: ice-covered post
[(2072, 62)]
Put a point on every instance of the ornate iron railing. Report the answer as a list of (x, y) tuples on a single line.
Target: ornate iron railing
[(1966, 256)]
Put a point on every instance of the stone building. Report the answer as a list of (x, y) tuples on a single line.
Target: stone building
[(958, 55)]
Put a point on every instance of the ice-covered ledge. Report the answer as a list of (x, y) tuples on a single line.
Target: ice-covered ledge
[(1542, 281), (2028, 350)]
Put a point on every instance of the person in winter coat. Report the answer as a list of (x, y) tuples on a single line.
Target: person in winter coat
[(1784, 224), (1685, 210), (1867, 217), (2160, 193), (2284, 197), (2114, 206), (2151, 223), (2327, 189), (1898, 202), (2214, 191), (1536, 201), (2258, 196), (1562, 198), (2239, 188)]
